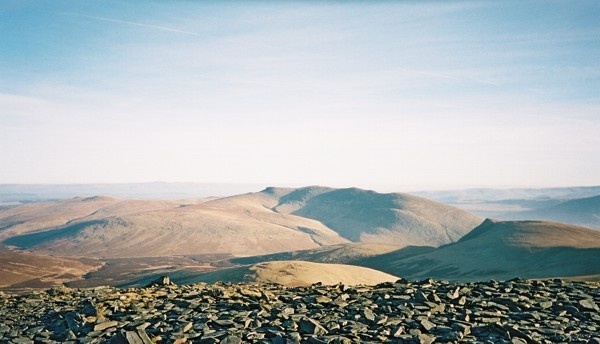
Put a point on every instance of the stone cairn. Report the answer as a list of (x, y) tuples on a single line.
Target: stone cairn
[(428, 311)]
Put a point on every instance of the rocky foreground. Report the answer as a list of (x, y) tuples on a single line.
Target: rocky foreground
[(516, 311)]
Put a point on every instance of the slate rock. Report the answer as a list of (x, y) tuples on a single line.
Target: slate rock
[(368, 314), (104, 325), (311, 326), (232, 340), (161, 281), (409, 312), (589, 304)]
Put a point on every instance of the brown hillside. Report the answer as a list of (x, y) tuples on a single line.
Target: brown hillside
[(295, 273), (502, 250)]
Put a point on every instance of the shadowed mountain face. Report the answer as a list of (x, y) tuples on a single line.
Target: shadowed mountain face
[(502, 250), (342, 254), (493, 250), (274, 220), (371, 217)]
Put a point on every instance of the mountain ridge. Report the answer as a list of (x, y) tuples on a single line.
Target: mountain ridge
[(272, 220), (502, 250)]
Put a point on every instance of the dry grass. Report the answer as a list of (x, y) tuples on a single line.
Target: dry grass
[(297, 273), (23, 270)]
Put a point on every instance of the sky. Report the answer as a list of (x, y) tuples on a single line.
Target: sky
[(401, 94)]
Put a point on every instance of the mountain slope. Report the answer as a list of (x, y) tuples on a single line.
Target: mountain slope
[(36, 216), (339, 254), (185, 230), (295, 273), (502, 250), (371, 217), (21, 270)]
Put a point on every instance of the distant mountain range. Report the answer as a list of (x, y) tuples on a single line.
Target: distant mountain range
[(475, 195), (504, 204), (101, 239), (574, 205), (11, 193), (274, 220), (581, 211)]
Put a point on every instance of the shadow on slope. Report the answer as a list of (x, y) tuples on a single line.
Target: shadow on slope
[(501, 250), (341, 254), (368, 216), (30, 240)]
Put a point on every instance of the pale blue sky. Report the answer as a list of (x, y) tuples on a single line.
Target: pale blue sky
[(404, 94)]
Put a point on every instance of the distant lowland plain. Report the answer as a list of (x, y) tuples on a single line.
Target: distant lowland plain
[(291, 236)]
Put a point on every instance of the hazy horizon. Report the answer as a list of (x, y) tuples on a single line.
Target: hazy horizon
[(407, 95)]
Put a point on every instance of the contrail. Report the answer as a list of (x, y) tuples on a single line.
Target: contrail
[(157, 27)]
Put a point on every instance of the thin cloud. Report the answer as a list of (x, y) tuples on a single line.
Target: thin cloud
[(157, 27), (448, 76)]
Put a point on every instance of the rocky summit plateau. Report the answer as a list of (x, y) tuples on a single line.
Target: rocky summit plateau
[(426, 311)]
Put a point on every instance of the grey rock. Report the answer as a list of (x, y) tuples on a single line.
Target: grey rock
[(589, 304), (421, 297), (278, 340), (339, 340), (104, 325), (425, 339), (187, 327), (461, 328), (130, 337), (368, 314), (311, 326), (294, 338), (89, 308), (118, 338), (161, 281), (232, 340), (427, 325), (397, 332), (496, 311)]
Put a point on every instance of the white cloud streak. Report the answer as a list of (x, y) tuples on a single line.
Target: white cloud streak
[(448, 76), (160, 27), (150, 26)]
